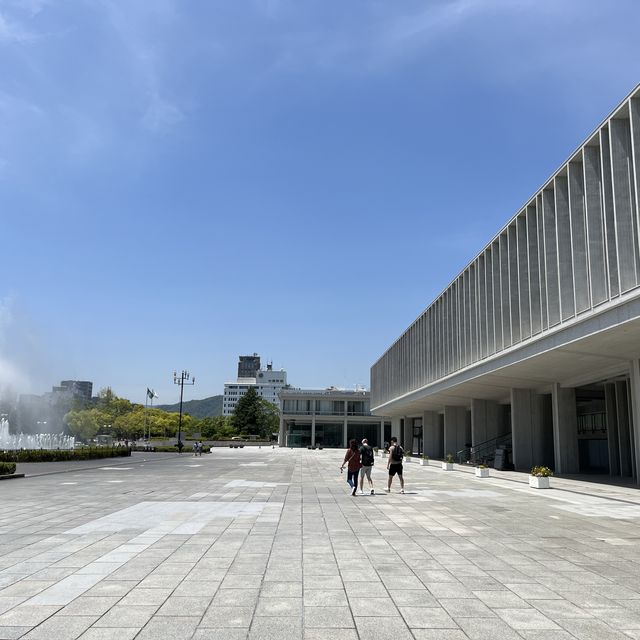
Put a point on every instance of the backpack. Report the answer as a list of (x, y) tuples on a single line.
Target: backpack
[(398, 453), (366, 456)]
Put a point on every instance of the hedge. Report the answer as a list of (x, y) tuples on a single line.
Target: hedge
[(7, 468), (58, 455)]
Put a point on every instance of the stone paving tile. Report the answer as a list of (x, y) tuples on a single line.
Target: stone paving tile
[(328, 617), (61, 628), (365, 589), (330, 634), (281, 607), (373, 607), (200, 588), (439, 634), (466, 608), (390, 628), (544, 635), (427, 618), (26, 615), (11, 633), (112, 588), (221, 634), (281, 590), (488, 629), (127, 616), (276, 629), (321, 598), (184, 606), (88, 606), (236, 597), (177, 628), (218, 616), (592, 630), (526, 619), (120, 633)]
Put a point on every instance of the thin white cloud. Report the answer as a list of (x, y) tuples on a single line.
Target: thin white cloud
[(12, 32), (131, 23), (161, 115)]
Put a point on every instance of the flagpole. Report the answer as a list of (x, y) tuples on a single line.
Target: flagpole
[(146, 400)]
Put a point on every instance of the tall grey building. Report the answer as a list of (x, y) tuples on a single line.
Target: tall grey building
[(248, 366), (534, 349)]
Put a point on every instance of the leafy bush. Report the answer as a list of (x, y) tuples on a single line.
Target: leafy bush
[(58, 455), (450, 458), (7, 468), (541, 472)]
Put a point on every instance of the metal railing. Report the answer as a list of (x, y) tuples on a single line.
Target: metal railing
[(484, 452)]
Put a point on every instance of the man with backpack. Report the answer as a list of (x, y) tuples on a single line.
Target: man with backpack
[(396, 454), (366, 459)]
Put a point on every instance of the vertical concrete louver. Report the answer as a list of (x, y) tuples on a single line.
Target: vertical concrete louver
[(572, 247)]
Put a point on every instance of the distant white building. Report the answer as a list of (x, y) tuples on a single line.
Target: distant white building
[(267, 383)]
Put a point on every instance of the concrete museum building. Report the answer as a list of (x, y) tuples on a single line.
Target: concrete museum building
[(534, 349)]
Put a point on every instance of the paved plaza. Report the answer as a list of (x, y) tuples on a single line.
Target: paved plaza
[(264, 543)]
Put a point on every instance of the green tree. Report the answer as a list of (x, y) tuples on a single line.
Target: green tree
[(217, 428), (83, 425), (255, 416)]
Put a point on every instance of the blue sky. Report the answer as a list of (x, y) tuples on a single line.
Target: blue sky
[(184, 181)]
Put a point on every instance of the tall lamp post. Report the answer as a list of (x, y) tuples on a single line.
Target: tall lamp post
[(182, 379)]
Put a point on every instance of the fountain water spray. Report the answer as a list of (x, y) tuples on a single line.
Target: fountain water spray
[(9, 441)]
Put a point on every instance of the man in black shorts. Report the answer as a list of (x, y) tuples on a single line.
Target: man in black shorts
[(396, 453)]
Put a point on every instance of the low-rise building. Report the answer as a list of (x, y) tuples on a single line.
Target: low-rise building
[(329, 418)]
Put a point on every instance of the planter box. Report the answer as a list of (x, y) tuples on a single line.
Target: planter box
[(482, 473), (423, 462), (447, 466), (537, 482)]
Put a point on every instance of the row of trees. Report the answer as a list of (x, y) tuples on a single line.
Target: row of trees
[(125, 420)]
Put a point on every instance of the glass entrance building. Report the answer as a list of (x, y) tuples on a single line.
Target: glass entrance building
[(329, 418)]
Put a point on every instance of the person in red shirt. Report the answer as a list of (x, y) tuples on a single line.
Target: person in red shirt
[(352, 460)]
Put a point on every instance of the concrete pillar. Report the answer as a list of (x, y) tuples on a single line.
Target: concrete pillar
[(281, 434), (632, 434), (345, 435), (455, 429), (634, 394), (407, 435), (624, 428), (565, 430), (396, 424), (486, 421), (611, 417), (432, 434), (527, 429), (313, 430), (381, 434)]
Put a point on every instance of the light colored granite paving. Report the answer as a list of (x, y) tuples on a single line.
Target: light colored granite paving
[(268, 543)]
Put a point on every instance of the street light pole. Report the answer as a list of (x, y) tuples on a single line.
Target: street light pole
[(182, 379)]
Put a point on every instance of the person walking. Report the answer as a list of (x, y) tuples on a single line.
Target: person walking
[(352, 460), (366, 460), (394, 466)]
